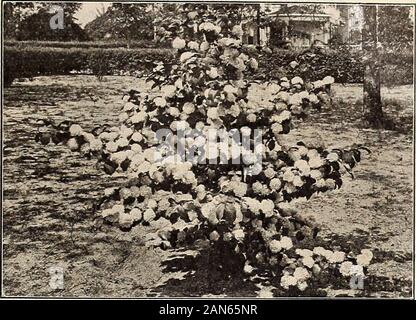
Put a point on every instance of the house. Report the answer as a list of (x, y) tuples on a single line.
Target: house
[(302, 26), (300, 29)]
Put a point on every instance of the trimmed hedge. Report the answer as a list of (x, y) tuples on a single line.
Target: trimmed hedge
[(23, 60), (313, 64), (85, 44), (34, 61)]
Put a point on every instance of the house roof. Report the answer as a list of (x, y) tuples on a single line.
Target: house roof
[(302, 16), (305, 12), (277, 13)]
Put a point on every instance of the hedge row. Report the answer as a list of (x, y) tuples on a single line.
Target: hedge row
[(136, 44), (31, 62), (312, 64), (20, 61)]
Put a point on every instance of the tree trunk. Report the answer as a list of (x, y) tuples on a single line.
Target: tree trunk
[(258, 27), (372, 94)]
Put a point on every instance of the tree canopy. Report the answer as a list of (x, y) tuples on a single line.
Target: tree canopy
[(123, 21), (30, 21)]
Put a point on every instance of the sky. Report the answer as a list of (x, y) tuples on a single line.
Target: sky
[(88, 11)]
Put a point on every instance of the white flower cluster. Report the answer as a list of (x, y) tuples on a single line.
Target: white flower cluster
[(312, 262)]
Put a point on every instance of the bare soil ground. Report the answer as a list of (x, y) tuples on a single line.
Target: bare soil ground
[(49, 194)]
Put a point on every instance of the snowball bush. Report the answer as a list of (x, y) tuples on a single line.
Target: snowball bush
[(195, 202)]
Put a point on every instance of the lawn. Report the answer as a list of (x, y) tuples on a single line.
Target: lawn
[(49, 194)]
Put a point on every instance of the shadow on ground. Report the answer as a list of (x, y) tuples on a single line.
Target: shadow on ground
[(204, 274)]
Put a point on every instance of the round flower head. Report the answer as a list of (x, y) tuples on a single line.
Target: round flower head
[(122, 142), (239, 234), (125, 220), (139, 117), (286, 243), (213, 73), (357, 270), (123, 117), (293, 64), (192, 15), (204, 46), (178, 43), (212, 113), (267, 206), (169, 91), (316, 162), (304, 252), (328, 80), (283, 96), (96, 145), (252, 204), (297, 181), (302, 285), (313, 98), (288, 281), (251, 118), (330, 184), (277, 128), (275, 184), (295, 100), (275, 246), (193, 45), (301, 274), (346, 268), (188, 107), (253, 64), (288, 176), (186, 56), (240, 189), (303, 167), (136, 214), (297, 80), (149, 215), (320, 183), (160, 102), (333, 156), (285, 84), (364, 258), (126, 132), (270, 173), (75, 130), (316, 174), (337, 257)]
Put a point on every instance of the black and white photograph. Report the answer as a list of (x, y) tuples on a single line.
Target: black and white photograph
[(213, 150)]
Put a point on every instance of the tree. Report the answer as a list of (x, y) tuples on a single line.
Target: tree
[(131, 21), (372, 86), (387, 35), (14, 14), (30, 21), (394, 27)]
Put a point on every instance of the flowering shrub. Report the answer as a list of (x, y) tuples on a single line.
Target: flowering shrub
[(220, 198)]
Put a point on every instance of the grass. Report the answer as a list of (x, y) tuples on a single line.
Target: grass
[(49, 194)]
